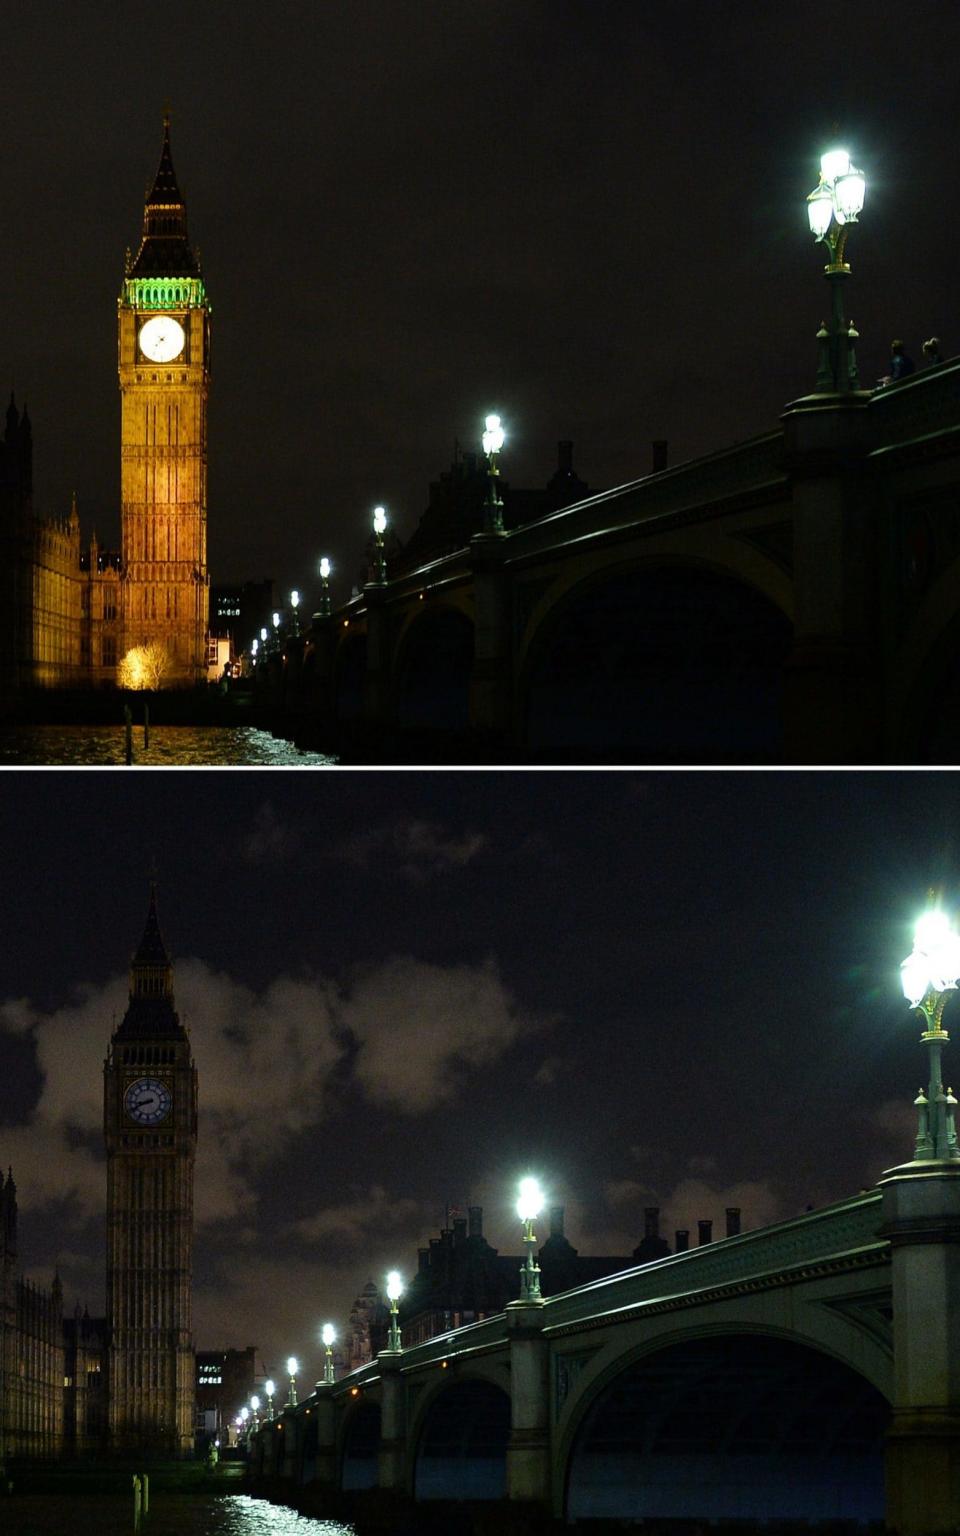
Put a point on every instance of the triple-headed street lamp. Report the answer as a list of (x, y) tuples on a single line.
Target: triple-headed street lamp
[(380, 555), (928, 974), (324, 609), (493, 440), (394, 1292), (328, 1334), (529, 1206), (833, 205)]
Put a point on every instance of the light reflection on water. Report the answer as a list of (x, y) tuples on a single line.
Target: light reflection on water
[(169, 1515), (193, 746)]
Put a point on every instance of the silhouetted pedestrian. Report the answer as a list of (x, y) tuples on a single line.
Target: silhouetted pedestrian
[(931, 352), (900, 363)]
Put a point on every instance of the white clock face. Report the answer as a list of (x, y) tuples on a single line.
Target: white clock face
[(162, 339), (147, 1101)]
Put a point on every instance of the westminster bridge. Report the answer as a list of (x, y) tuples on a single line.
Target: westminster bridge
[(792, 598), (808, 1370)]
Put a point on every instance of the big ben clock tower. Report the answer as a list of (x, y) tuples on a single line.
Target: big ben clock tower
[(164, 366), (150, 1127)]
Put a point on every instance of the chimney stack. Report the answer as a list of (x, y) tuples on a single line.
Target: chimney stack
[(651, 1221), (556, 1221), (475, 1215), (706, 1232), (681, 1239), (733, 1220), (659, 455), (423, 1260), (459, 1229), (565, 457)]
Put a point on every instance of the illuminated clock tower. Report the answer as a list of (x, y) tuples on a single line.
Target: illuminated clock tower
[(164, 365), (150, 1128)]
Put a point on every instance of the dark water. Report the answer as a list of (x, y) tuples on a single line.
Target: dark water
[(191, 746), (169, 1515)]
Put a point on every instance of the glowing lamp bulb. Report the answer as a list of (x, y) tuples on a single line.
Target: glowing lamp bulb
[(834, 163), (254, 1402), (255, 647), (263, 634), (379, 520), (244, 1414), (493, 437), (292, 1366), (530, 1202), (276, 620), (324, 568), (934, 965), (394, 1285), (328, 1334), (269, 1387), (849, 191), (820, 211), (295, 598)]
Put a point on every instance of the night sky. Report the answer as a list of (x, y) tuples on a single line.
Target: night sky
[(407, 990), (586, 213)]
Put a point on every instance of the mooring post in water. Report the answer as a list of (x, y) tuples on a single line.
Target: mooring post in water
[(146, 725), (136, 1500), (146, 1494), (128, 723)]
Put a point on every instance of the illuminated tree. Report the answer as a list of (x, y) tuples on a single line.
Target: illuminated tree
[(144, 666)]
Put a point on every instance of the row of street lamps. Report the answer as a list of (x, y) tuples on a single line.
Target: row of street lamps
[(928, 975), (832, 207)]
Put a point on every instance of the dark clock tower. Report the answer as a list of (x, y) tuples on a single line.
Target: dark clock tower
[(150, 1128)]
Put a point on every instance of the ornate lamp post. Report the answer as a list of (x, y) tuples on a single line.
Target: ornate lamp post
[(255, 1410), (928, 975), (276, 629), (833, 205), (263, 638), (295, 605), (493, 439), (269, 1387), (324, 609), (379, 529), (394, 1292), (244, 1416), (328, 1335), (292, 1369), (529, 1207)]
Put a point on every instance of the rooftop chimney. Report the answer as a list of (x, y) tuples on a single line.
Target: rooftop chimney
[(659, 455), (706, 1231), (459, 1228), (556, 1211), (651, 1221), (681, 1239), (733, 1220), (565, 458), (423, 1259), (475, 1216)]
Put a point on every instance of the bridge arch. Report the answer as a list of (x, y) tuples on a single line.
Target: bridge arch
[(460, 1439), (667, 658), (433, 663), (729, 1423), (359, 1448)]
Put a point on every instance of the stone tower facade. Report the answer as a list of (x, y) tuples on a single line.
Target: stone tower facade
[(150, 1128), (31, 1349), (164, 367)]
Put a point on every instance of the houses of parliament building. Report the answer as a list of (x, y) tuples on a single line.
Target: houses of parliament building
[(71, 611)]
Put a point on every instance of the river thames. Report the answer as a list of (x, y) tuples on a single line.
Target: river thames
[(169, 1515), (170, 746)]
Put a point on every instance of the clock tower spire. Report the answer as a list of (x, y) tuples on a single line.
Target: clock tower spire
[(150, 1129), (164, 368)]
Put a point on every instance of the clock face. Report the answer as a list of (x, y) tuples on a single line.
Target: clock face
[(162, 339), (147, 1101)]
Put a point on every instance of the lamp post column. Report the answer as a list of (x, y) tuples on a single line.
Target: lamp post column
[(491, 688), (921, 1219)]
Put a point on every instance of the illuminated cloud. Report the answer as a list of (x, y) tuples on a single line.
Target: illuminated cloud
[(265, 1061), (268, 841), (361, 1220), (419, 850)]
